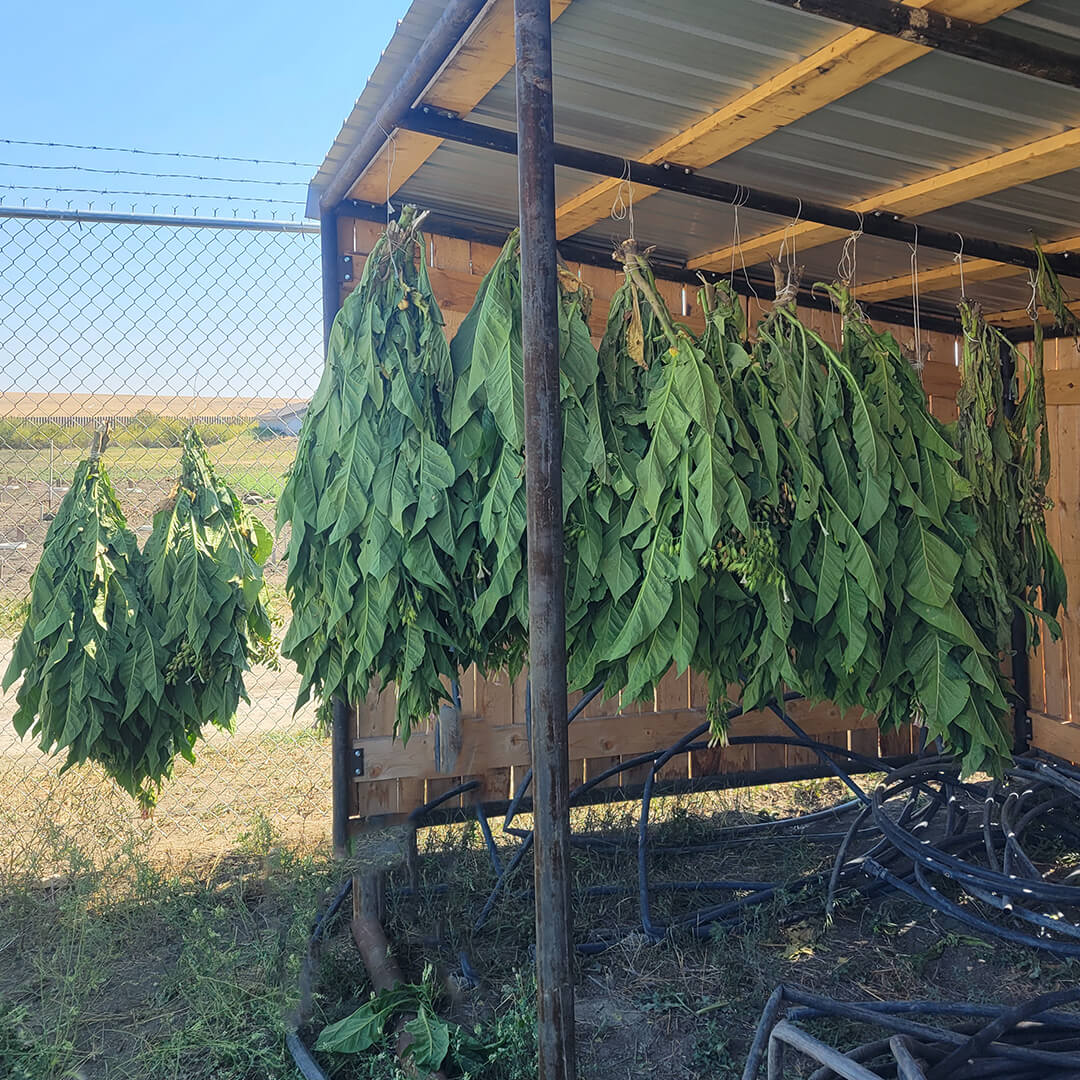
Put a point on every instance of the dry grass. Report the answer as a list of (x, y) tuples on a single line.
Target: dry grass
[(122, 956)]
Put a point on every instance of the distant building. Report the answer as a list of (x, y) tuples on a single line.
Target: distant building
[(278, 422)]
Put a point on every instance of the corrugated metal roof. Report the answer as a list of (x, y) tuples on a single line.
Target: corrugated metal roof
[(629, 74)]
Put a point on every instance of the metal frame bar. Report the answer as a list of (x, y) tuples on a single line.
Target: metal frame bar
[(86, 217), (948, 34), (546, 570), (683, 180), (593, 255)]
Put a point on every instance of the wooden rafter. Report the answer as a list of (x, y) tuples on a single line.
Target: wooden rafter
[(1022, 316), (486, 55), (1022, 165), (949, 276), (854, 59)]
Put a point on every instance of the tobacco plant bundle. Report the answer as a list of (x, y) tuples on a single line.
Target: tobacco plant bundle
[(1006, 459), (125, 655), (88, 653), (488, 447), (205, 590), (373, 554), (795, 521)]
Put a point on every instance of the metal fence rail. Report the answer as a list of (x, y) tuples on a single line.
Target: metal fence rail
[(152, 323)]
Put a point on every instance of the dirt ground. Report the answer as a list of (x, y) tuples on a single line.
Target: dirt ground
[(185, 966)]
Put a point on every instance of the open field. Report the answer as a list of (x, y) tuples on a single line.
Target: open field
[(32, 482), (119, 961)]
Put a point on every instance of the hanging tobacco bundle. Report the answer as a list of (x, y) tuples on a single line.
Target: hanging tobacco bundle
[(374, 552), (89, 654), (488, 447), (668, 426), (205, 591), (795, 522), (125, 655), (1006, 460)]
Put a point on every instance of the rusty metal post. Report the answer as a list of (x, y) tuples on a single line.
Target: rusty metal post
[(339, 732), (543, 480)]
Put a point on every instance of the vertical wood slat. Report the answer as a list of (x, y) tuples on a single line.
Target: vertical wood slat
[(673, 692), (1054, 653), (1037, 661), (1064, 426)]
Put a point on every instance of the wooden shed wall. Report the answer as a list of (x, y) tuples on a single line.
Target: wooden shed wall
[(1055, 668), (495, 747)]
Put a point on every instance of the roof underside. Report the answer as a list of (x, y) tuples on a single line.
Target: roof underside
[(631, 74)]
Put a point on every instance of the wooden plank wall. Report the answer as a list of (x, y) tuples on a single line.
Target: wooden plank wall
[(494, 737), (1055, 668)]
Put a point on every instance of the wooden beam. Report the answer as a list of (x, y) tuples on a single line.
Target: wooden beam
[(1022, 317), (854, 59), (1056, 736), (948, 276), (486, 745), (949, 34), (483, 59), (1033, 161)]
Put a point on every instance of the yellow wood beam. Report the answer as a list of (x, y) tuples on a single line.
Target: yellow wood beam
[(948, 276), (854, 59), (1021, 316), (486, 55), (1033, 161)]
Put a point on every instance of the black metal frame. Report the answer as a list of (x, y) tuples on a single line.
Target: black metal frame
[(670, 176), (946, 33), (746, 284)]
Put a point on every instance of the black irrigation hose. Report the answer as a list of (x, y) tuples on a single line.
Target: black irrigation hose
[(307, 1065), (1027, 1041)]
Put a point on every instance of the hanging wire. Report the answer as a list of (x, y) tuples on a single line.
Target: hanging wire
[(1033, 303), (790, 229), (391, 160), (742, 197), (960, 263), (622, 209), (846, 267), (916, 322), (153, 175), (158, 153)]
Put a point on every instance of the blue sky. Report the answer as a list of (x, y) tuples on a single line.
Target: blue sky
[(167, 310), (269, 80)]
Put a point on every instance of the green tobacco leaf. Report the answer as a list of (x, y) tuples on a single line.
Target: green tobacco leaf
[(942, 684), (932, 564), (430, 1040)]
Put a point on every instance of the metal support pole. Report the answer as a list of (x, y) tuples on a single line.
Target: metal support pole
[(543, 480), (1021, 662), (339, 731)]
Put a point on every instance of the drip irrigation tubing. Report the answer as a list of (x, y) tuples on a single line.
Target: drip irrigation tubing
[(1029, 1041), (923, 826)]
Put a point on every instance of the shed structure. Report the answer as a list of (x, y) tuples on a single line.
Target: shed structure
[(919, 143), (771, 128)]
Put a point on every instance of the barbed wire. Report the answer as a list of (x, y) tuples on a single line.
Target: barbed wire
[(201, 196), (158, 153), (152, 175)]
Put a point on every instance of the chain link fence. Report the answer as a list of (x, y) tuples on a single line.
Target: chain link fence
[(150, 324)]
